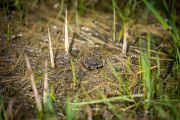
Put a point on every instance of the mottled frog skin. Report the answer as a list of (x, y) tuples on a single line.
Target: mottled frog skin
[(93, 63)]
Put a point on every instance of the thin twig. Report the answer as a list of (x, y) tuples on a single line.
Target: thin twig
[(124, 50), (51, 50), (46, 87), (36, 94), (66, 34), (140, 72)]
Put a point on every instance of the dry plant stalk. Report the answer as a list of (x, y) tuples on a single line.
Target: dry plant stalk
[(89, 113), (51, 50), (10, 113), (46, 87), (124, 50), (66, 40), (35, 91)]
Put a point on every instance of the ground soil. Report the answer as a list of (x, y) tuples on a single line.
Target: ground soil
[(93, 41)]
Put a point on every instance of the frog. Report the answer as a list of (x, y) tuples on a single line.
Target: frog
[(92, 63)]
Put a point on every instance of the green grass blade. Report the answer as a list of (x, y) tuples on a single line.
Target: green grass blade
[(69, 112), (114, 20), (74, 73), (157, 15), (105, 100)]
